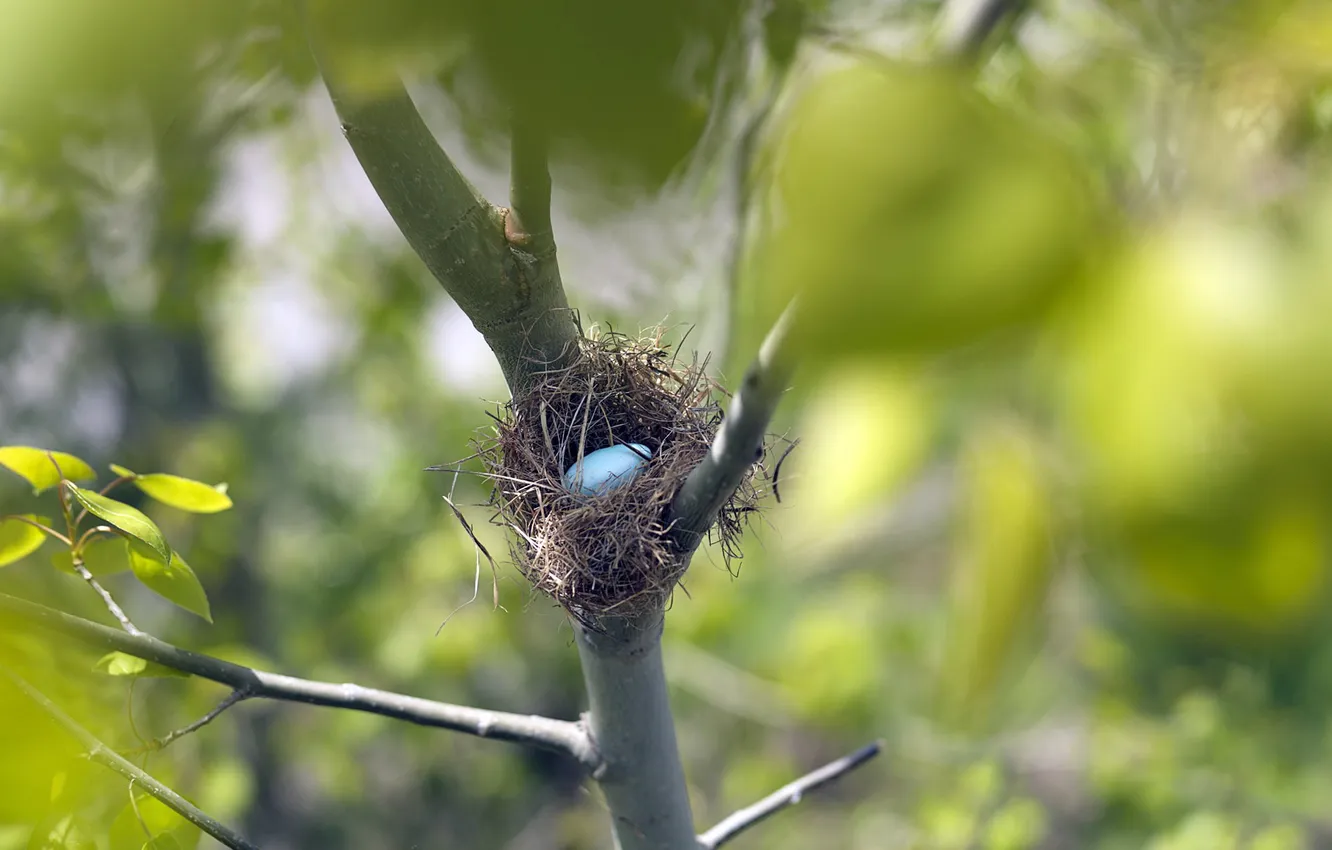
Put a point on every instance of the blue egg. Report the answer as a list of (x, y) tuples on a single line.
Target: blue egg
[(605, 469)]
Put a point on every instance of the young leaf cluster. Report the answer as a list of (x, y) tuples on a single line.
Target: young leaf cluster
[(103, 535)]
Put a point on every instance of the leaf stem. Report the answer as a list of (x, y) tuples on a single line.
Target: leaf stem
[(35, 524), (96, 529)]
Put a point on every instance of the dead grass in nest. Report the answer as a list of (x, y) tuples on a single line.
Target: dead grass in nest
[(609, 555)]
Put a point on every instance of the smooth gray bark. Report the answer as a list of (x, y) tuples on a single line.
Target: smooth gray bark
[(629, 715)]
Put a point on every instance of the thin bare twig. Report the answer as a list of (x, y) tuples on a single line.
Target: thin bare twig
[(231, 699), (105, 756), (786, 796), (561, 736), (111, 604)]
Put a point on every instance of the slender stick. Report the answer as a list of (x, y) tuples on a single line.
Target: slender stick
[(111, 604), (739, 441), (227, 702), (105, 756), (561, 736), (786, 796)]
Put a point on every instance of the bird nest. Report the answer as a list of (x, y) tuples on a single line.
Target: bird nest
[(611, 555)]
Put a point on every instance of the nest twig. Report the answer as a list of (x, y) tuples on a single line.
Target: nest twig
[(608, 555)]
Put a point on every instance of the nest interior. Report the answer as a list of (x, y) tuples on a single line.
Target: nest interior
[(610, 555)]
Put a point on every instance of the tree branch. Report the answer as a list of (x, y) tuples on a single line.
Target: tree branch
[(788, 795), (561, 736), (739, 441), (629, 714), (105, 756), (966, 25), (513, 297)]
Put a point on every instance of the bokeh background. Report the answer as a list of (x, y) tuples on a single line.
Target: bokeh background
[(1057, 529)]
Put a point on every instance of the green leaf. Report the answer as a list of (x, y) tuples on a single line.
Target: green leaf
[(18, 539), (123, 472), (194, 496), (37, 467), (130, 520), (123, 664), (102, 556), (173, 580)]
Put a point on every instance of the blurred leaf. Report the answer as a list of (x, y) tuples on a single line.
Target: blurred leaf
[(1279, 837), (173, 580), (56, 50), (18, 539), (1153, 362), (123, 664), (66, 833), (1184, 379), (912, 215), (1020, 824), (122, 471), (128, 519), (102, 556), (1230, 577), (626, 89), (867, 426), (169, 830), (37, 466), (1004, 566)]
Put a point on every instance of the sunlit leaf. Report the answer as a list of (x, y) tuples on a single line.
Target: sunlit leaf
[(128, 519), (184, 493), (102, 556), (174, 581), (122, 471), (19, 539), (123, 664), (120, 664), (38, 466)]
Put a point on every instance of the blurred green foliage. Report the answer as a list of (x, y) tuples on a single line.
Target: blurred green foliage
[(1057, 529)]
